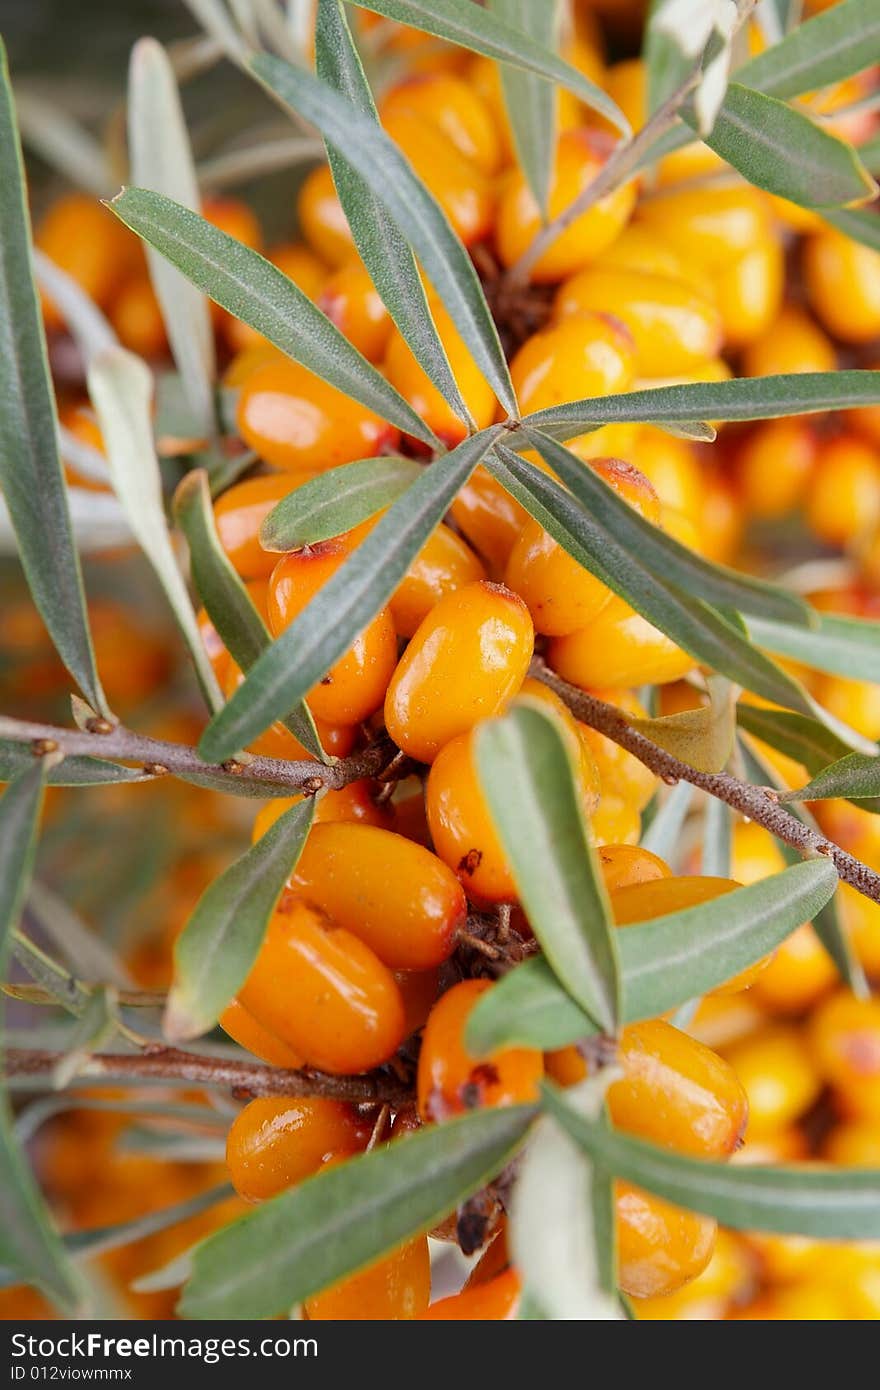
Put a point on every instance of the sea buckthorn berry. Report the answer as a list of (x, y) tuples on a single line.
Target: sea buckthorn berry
[(356, 802), (624, 865), (619, 646), (461, 188), (794, 342), (778, 1075), (582, 355), (855, 1144), (404, 373), (355, 687), (800, 972), (395, 1289), (236, 219), (672, 467), (843, 500), (844, 1040), (137, 318), (301, 266), (91, 245), (295, 421), (585, 762), (251, 1035), (323, 992), (640, 249), (489, 518), (729, 1275), (659, 1246), (277, 741), (455, 108), (351, 301), (615, 821), (620, 771), (709, 226), (866, 419), (494, 1301), (248, 360), (396, 896), (418, 990), (451, 1081), (673, 327), (560, 594), (321, 219), (444, 563), (240, 512), (842, 279), (749, 292), (773, 466), (277, 1141), (580, 155), (861, 918), (468, 657)]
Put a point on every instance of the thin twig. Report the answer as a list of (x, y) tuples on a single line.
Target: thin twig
[(759, 804)]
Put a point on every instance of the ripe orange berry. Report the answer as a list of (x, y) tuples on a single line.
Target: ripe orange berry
[(861, 918), (489, 518), (615, 821), (580, 155), (137, 318), (749, 292), (774, 464), (455, 108), (321, 219), (728, 1275), (394, 895), (581, 355), (493, 1301), (404, 373), (356, 803), (842, 279), (844, 1040), (418, 990), (709, 226), (640, 249), (295, 421), (355, 686), (624, 865), (275, 1142), (793, 343), (620, 647), (326, 994), (277, 741), (444, 563), (843, 500), (866, 419), (253, 1037), (467, 658), (351, 301), (560, 594), (461, 188), (659, 1246), (301, 266), (620, 773), (240, 512), (451, 1081), (673, 327), (779, 1078), (673, 468), (82, 238), (235, 218), (855, 1144), (394, 1289)]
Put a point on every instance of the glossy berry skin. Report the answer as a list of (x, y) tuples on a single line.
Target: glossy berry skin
[(672, 467), (454, 107), (444, 563), (799, 974), (489, 518), (396, 896), (467, 658), (778, 1075), (451, 1081), (843, 500), (418, 990), (355, 687), (275, 1142), (461, 188), (494, 1301), (749, 293), (350, 300), (277, 741), (296, 422), (584, 354), (325, 993), (356, 803), (793, 343), (624, 865), (137, 318), (395, 1289), (621, 647), (709, 226), (673, 327), (238, 515), (321, 219), (618, 769), (91, 245), (640, 249), (580, 155), (560, 594), (844, 1040), (253, 1037), (659, 1246), (774, 465), (405, 374), (842, 279)]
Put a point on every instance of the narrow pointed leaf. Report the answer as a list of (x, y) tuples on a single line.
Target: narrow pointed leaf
[(526, 775), (337, 501), (663, 835), (378, 161), (717, 845), (256, 291), (219, 944), (805, 740), (530, 101), (326, 628), (804, 1199), (73, 772), (840, 646), (860, 224), (855, 777), (348, 1216), (663, 963), (382, 246), (121, 390), (31, 477), (89, 328), (826, 49)]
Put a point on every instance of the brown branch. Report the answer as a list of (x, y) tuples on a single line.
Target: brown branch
[(760, 804), (243, 1078), (274, 776)]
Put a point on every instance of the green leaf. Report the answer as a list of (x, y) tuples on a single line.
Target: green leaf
[(663, 835), (826, 49), (744, 398), (840, 646), (348, 1216), (28, 1244), (667, 65), (30, 470), (325, 629), (256, 291), (378, 161), (73, 772), (860, 224), (526, 774), (804, 1199), (664, 962), (337, 501), (161, 159), (869, 153), (462, 22), (703, 737), (797, 736), (121, 390), (227, 602), (855, 777), (781, 150), (530, 102), (688, 621), (88, 327), (383, 249), (216, 949), (68, 992), (715, 851)]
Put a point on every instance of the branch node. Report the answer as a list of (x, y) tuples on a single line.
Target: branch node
[(99, 725)]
